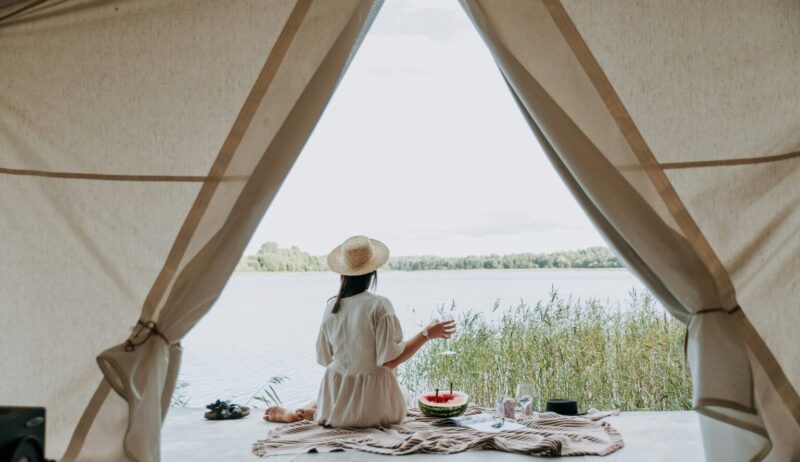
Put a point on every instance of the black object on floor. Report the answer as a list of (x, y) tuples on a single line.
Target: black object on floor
[(225, 410), (22, 434), (562, 406)]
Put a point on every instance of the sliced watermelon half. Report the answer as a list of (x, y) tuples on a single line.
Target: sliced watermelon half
[(444, 404)]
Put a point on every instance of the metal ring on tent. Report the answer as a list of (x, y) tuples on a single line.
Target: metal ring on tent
[(151, 327)]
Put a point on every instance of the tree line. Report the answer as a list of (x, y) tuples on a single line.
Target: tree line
[(273, 258)]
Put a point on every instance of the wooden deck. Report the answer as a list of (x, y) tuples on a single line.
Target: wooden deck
[(649, 436)]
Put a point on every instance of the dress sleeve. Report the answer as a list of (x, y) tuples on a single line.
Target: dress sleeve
[(389, 342), (324, 349)]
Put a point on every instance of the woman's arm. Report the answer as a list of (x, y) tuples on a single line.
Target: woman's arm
[(437, 329)]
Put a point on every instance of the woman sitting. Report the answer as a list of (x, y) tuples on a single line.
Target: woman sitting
[(360, 343)]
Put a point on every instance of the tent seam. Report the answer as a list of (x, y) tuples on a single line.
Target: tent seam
[(122, 177), (715, 163)]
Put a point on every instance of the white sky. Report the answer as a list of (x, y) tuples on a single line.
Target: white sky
[(423, 147)]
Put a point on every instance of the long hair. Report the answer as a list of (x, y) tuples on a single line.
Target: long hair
[(354, 285)]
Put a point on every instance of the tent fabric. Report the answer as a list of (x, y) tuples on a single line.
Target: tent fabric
[(140, 141), (677, 133), (140, 144)]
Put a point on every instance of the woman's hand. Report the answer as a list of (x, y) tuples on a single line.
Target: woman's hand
[(441, 329), (436, 329)]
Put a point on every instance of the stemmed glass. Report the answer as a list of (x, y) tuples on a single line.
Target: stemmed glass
[(448, 351), (524, 394)]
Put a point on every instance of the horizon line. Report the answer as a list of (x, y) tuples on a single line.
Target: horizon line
[(280, 246)]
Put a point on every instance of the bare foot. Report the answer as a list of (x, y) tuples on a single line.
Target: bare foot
[(305, 413), (279, 414)]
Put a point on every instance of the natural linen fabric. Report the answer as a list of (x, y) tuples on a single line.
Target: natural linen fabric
[(548, 434), (671, 126), (140, 144), (353, 345), (130, 185)]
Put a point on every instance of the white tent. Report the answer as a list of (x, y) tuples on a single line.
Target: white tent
[(142, 141)]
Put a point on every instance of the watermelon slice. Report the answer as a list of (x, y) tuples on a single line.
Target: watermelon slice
[(444, 404)]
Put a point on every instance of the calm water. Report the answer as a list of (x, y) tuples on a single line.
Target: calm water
[(266, 324)]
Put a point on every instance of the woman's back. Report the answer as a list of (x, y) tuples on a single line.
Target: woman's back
[(353, 344), (353, 330)]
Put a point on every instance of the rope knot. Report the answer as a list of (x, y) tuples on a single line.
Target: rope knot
[(152, 329)]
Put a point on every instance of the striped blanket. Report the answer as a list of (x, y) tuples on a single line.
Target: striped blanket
[(548, 434)]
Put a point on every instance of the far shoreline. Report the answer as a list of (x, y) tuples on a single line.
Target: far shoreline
[(443, 270)]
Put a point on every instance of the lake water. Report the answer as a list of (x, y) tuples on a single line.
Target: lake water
[(265, 324)]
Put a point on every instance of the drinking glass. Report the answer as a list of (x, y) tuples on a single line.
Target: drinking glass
[(448, 351), (524, 393)]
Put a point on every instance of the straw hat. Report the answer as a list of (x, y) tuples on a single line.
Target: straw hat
[(358, 255)]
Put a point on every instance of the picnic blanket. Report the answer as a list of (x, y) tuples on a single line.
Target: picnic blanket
[(547, 434)]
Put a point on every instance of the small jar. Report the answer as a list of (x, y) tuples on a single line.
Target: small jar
[(527, 409), (499, 406), (508, 408)]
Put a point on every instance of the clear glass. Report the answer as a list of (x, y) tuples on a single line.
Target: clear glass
[(524, 394), (448, 350)]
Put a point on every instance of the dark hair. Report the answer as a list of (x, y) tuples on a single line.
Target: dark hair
[(354, 285)]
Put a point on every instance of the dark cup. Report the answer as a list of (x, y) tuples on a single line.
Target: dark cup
[(562, 406)]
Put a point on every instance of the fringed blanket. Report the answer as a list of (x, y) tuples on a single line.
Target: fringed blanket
[(548, 434)]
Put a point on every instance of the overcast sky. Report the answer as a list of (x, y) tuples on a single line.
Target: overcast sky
[(423, 147)]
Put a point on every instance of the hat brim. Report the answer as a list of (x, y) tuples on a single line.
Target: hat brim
[(338, 264)]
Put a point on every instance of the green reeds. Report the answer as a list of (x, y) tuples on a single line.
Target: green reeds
[(627, 358)]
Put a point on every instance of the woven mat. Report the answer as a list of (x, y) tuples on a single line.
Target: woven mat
[(547, 434)]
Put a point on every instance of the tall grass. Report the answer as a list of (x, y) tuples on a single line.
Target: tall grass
[(628, 358)]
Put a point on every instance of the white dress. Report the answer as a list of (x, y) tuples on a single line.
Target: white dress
[(353, 345)]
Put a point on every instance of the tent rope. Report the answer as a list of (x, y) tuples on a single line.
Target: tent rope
[(152, 328)]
